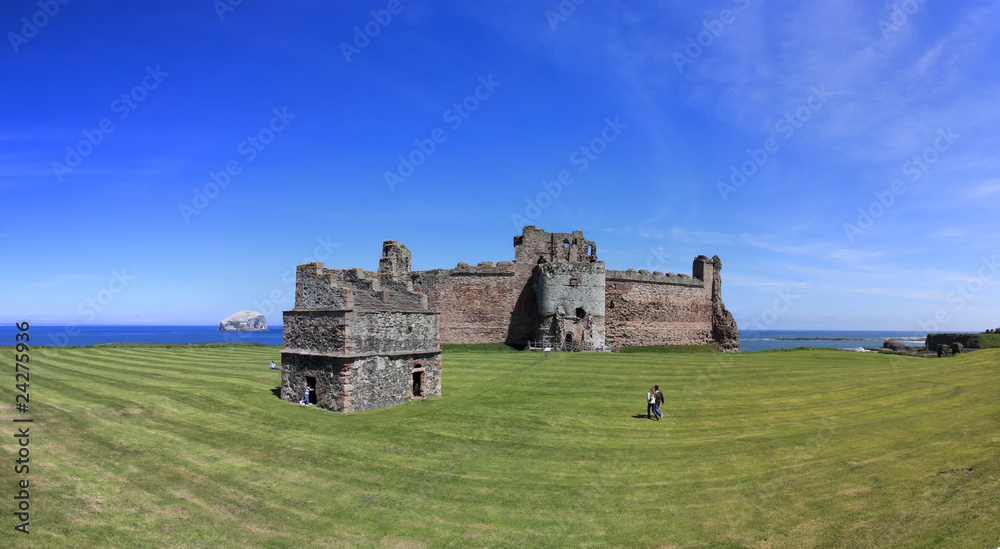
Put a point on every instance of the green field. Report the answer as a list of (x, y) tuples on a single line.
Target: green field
[(160, 446)]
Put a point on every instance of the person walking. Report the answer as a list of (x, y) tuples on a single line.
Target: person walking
[(658, 398), (650, 401)]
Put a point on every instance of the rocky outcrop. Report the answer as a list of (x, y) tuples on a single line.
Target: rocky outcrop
[(724, 330), (893, 345), (244, 321), (933, 341)]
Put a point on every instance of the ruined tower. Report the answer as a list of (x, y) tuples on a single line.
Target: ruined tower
[(568, 283)]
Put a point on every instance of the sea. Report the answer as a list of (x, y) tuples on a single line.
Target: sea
[(750, 341)]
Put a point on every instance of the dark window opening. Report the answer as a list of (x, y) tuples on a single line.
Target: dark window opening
[(541, 259), (569, 338), (418, 384), (311, 383), (580, 313), (574, 281), (611, 304)]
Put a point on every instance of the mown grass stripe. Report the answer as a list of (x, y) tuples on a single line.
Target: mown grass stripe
[(176, 446)]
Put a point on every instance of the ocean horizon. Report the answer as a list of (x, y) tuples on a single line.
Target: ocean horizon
[(50, 335)]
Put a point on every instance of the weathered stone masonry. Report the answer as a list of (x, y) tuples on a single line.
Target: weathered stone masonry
[(358, 339), (366, 339), (556, 287)]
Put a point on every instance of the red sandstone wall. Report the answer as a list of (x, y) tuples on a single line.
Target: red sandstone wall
[(474, 308), (645, 313)]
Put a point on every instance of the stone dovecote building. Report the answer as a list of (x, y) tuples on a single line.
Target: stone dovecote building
[(360, 340)]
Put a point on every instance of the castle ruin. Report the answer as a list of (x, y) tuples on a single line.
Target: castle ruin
[(556, 290), (363, 340)]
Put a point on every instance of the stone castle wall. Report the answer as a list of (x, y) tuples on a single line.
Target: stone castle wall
[(553, 275), (649, 313), (656, 308), (475, 303)]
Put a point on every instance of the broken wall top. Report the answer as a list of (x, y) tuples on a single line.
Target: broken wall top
[(319, 288), (537, 246)]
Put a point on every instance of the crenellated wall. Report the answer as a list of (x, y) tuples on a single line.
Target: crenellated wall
[(657, 308), (554, 276), (475, 302), (653, 313), (554, 289)]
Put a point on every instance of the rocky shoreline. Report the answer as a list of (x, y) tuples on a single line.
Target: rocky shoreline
[(941, 350)]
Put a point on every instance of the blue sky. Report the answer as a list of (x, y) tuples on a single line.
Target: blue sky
[(172, 163)]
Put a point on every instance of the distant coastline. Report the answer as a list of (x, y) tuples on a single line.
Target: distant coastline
[(751, 340), (46, 335), (780, 338)]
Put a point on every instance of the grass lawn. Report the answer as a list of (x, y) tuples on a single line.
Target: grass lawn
[(160, 446)]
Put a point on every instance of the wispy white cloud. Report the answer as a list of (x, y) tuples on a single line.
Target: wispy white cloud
[(61, 279), (925, 295), (985, 189), (741, 279), (856, 256), (701, 237), (782, 246)]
